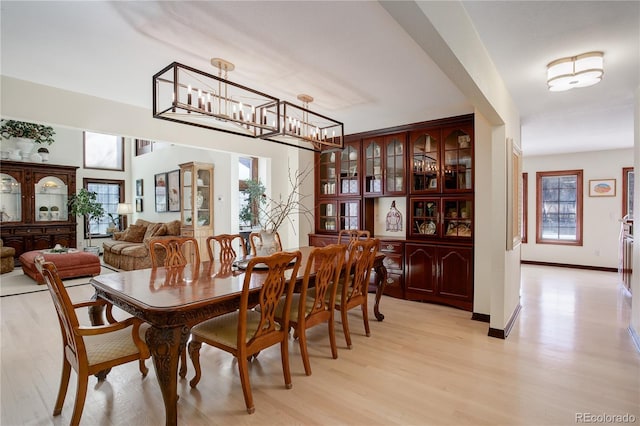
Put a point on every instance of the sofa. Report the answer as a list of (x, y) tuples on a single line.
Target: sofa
[(129, 249)]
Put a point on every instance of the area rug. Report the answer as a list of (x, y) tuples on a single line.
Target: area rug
[(17, 282)]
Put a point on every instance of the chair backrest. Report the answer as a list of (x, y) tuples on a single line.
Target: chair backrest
[(226, 242), (348, 236), (273, 285), (174, 251), (64, 307), (361, 255), (255, 241), (326, 262)]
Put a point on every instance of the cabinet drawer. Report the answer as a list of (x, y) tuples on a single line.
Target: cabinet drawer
[(59, 230), (387, 247), (393, 262), (29, 231)]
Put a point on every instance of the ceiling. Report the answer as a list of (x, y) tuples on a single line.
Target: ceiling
[(358, 63)]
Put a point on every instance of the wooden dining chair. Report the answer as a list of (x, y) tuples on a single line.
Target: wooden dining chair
[(174, 251), (247, 331), (353, 288), (309, 309), (90, 350), (226, 243), (348, 236), (255, 241), (175, 254)]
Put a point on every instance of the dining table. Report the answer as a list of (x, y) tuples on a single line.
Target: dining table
[(172, 300)]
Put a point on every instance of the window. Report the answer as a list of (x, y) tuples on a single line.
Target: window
[(559, 207), (109, 193), (248, 169), (104, 152), (627, 191)]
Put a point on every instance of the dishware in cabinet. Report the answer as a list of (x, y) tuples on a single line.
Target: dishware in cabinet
[(441, 217), (384, 165), (425, 161)]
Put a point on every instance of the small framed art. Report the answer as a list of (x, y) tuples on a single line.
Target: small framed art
[(161, 192), (602, 187), (138, 205)]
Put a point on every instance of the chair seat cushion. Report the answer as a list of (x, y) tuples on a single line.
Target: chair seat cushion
[(117, 344), (224, 329), (295, 301)]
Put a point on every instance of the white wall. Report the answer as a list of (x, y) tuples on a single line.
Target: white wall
[(601, 226)]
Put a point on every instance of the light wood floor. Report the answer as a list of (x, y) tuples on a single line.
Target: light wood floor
[(570, 352)]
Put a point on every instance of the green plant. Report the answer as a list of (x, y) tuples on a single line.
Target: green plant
[(21, 129), (44, 209), (84, 204)]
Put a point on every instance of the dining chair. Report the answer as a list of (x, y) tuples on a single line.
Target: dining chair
[(227, 251), (353, 289), (175, 254), (174, 251), (247, 331), (90, 350), (255, 241), (309, 309), (348, 236)]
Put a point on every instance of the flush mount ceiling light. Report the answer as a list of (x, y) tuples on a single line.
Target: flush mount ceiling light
[(186, 95), (577, 71), (301, 127), (190, 96)]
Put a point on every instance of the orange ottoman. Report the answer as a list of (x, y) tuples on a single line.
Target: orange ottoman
[(70, 264)]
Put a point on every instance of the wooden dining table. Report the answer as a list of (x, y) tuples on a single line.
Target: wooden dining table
[(173, 300)]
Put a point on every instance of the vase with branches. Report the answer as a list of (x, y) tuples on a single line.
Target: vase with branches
[(271, 213)]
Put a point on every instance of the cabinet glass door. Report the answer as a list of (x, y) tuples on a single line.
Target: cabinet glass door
[(187, 197), (457, 161), (425, 217), (10, 199), (349, 213), (458, 216), (425, 158), (51, 196), (203, 194), (327, 216), (349, 170), (394, 165), (328, 176), (373, 166)]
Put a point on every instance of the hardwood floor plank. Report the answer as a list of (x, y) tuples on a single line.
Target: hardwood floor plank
[(569, 352)]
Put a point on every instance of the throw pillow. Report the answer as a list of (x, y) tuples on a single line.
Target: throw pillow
[(134, 233), (154, 230), (173, 227)]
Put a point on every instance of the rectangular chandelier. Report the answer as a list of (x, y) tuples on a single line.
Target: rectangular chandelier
[(190, 96), (301, 127), (186, 95)]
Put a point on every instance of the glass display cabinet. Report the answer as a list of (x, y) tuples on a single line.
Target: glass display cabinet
[(196, 201), (33, 206)]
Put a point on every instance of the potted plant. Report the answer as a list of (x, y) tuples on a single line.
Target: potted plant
[(84, 204), (44, 212), (27, 134), (55, 212)]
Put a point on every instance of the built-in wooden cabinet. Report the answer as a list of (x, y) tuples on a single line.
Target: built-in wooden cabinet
[(196, 195), (34, 212), (432, 165), (439, 273)]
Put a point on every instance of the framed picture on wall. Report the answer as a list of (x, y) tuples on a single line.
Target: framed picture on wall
[(139, 188), (602, 188), (161, 192), (143, 146), (138, 205), (173, 190)]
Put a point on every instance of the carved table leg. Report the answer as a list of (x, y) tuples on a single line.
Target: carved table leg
[(381, 280), (166, 345), (96, 313)]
